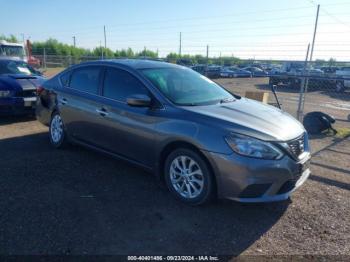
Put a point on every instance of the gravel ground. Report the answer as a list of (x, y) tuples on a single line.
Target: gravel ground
[(76, 201), (317, 99)]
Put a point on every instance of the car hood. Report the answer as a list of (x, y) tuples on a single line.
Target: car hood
[(20, 81), (252, 118)]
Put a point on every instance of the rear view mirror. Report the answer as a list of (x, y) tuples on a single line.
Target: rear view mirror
[(139, 100)]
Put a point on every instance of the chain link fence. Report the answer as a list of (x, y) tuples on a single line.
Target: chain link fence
[(299, 89)]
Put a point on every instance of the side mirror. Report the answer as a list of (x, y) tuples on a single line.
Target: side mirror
[(139, 101)]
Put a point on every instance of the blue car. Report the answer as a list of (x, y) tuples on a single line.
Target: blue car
[(256, 72), (18, 87), (236, 72)]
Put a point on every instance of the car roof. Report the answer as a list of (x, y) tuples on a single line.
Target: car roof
[(134, 63)]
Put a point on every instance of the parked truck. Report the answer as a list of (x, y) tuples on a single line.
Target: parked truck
[(13, 50), (19, 51), (343, 79)]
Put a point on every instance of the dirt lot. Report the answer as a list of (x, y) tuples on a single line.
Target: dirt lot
[(317, 99), (75, 201)]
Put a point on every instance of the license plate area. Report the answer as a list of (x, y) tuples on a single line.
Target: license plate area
[(29, 101), (303, 167)]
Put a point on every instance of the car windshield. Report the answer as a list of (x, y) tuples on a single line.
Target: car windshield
[(8, 50), (16, 67), (186, 87)]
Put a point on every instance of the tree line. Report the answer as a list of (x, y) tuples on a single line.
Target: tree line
[(55, 48)]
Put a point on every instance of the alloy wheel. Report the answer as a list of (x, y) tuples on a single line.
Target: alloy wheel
[(56, 129), (186, 177)]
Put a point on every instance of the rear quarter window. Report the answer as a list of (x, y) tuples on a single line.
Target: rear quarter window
[(64, 78)]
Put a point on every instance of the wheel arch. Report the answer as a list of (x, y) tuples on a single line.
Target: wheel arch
[(173, 145)]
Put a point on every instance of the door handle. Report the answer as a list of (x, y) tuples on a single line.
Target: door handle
[(102, 112), (63, 101)]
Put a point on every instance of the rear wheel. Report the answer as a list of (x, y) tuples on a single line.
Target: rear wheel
[(57, 133), (188, 177)]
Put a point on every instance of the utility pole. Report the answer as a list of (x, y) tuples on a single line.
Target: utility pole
[(305, 83), (144, 52), (302, 86), (315, 30), (104, 32), (207, 53), (44, 58), (180, 48), (206, 67), (101, 50), (74, 43)]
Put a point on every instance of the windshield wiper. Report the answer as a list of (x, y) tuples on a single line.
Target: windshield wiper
[(188, 104)]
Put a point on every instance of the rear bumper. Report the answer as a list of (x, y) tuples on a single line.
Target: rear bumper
[(42, 113), (246, 179), (17, 105)]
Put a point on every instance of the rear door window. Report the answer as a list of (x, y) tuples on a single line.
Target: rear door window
[(86, 79), (119, 85)]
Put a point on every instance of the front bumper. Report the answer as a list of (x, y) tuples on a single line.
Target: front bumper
[(17, 105), (247, 179)]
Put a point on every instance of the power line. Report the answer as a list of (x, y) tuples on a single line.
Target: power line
[(330, 15)]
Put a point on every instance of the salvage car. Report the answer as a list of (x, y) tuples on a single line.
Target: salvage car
[(18, 87), (237, 72), (234, 72), (256, 72), (198, 138)]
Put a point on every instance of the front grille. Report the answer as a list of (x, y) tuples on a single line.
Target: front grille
[(27, 93), (297, 146)]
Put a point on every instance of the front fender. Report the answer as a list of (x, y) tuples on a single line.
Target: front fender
[(203, 137)]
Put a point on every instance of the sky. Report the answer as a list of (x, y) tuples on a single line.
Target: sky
[(260, 29)]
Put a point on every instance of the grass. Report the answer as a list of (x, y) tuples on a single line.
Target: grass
[(343, 132)]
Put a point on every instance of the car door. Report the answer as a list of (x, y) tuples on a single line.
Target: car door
[(127, 131), (78, 102)]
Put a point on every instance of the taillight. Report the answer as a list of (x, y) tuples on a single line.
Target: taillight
[(39, 90)]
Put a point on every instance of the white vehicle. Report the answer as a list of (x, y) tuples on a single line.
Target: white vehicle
[(342, 84), (13, 50)]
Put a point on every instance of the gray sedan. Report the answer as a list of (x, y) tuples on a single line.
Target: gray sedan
[(200, 140)]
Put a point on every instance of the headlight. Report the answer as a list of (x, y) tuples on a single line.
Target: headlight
[(251, 147), (5, 93)]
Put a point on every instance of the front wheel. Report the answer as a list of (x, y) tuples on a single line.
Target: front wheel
[(188, 177), (57, 133)]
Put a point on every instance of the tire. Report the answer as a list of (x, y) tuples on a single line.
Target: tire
[(195, 189), (339, 86), (57, 134)]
